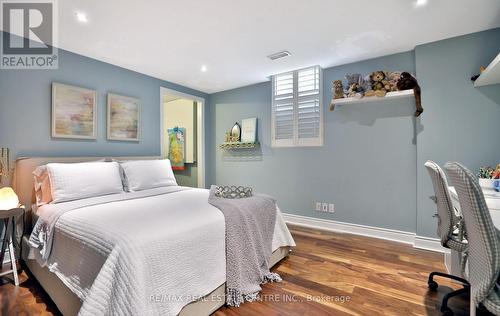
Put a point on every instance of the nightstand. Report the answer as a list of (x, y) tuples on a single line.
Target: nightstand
[(8, 218)]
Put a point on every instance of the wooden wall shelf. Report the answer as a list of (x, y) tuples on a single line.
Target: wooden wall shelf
[(404, 94)]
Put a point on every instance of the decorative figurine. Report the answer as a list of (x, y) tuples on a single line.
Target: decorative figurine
[(354, 86), (407, 81), (338, 89), (236, 132), (337, 92), (379, 84), (481, 70)]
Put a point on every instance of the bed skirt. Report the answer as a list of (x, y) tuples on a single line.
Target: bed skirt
[(69, 304)]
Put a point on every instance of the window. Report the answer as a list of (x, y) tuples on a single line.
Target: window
[(297, 114)]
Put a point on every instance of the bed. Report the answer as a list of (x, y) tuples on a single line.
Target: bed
[(192, 262)]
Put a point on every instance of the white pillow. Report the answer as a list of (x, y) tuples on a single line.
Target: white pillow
[(74, 181), (43, 193), (148, 174)]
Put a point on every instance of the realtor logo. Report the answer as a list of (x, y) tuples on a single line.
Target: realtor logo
[(29, 34)]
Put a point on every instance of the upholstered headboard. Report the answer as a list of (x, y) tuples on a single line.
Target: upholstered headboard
[(24, 167)]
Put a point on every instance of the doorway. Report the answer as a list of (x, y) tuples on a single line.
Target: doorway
[(182, 136)]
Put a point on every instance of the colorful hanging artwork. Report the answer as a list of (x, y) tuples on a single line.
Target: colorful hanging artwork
[(176, 153)]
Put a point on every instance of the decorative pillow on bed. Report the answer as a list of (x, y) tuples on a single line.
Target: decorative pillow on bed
[(148, 174), (74, 181), (43, 192)]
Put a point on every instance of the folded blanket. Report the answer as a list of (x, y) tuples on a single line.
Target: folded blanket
[(249, 234)]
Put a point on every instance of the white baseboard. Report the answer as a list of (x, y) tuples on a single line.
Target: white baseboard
[(420, 242), (427, 243)]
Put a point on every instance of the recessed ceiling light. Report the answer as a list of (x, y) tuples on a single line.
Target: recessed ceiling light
[(81, 17), (420, 3), (203, 68)]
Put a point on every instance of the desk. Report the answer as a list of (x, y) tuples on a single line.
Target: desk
[(492, 199)]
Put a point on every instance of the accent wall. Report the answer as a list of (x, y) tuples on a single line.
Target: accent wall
[(25, 108), (460, 122), (366, 166), (371, 164)]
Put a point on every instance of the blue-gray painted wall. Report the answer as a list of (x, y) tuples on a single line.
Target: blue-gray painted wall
[(366, 166), (460, 122), (25, 107), (371, 164)]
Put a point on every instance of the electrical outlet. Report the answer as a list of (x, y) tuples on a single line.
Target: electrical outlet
[(318, 206), (331, 208), (324, 207)]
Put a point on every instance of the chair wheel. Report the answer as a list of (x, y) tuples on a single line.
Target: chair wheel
[(447, 312), (432, 285)]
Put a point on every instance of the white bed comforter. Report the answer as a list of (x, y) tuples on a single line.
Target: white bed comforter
[(144, 253)]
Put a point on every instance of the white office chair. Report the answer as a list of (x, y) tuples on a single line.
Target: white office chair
[(448, 223), (483, 237)]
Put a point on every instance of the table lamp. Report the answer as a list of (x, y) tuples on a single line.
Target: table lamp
[(8, 199), (9, 209)]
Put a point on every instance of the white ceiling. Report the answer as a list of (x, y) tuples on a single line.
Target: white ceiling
[(171, 39)]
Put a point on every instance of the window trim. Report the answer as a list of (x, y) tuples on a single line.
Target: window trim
[(295, 141)]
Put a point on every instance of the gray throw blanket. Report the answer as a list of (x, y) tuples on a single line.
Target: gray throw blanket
[(249, 236)]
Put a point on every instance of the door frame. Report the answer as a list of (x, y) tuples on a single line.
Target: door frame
[(200, 129)]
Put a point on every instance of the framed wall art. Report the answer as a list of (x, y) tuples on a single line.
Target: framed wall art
[(249, 130), (123, 118), (74, 112)]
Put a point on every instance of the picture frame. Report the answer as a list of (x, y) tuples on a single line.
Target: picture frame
[(176, 147), (74, 112), (123, 118), (249, 130)]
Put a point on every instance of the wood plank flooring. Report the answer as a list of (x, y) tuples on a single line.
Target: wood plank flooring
[(326, 274)]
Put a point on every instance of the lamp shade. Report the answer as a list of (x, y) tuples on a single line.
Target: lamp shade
[(8, 199)]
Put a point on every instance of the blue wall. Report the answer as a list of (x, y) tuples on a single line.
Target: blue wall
[(366, 166), (25, 103), (371, 165), (460, 122)]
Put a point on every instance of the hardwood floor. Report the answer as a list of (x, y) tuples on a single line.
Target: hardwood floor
[(326, 274)]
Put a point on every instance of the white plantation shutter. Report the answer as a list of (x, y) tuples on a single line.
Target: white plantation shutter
[(283, 109), (309, 109), (297, 113)]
